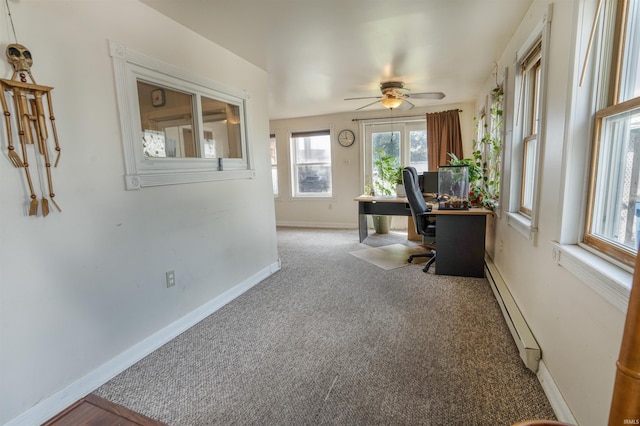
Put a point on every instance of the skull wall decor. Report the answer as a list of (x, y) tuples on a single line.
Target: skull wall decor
[(19, 57), (29, 100)]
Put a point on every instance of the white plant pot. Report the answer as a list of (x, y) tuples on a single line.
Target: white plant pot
[(400, 192)]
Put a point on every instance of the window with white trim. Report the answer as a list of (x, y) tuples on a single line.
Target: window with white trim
[(311, 164), (274, 163), (531, 68), (177, 127), (613, 211), (523, 170), (405, 141)]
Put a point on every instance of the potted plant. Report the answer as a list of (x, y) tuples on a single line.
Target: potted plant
[(400, 191), (389, 174), (387, 168)]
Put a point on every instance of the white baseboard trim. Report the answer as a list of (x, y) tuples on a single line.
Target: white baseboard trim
[(527, 345), (317, 225), (559, 405), (57, 402)]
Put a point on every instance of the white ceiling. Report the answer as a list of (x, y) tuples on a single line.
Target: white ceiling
[(318, 52)]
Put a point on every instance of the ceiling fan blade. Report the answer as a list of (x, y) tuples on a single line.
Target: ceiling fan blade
[(367, 105), (427, 95), (365, 97), (406, 105)]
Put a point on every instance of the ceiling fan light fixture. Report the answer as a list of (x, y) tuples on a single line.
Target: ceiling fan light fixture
[(391, 103)]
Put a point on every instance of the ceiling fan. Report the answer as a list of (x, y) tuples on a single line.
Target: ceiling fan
[(394, 94)]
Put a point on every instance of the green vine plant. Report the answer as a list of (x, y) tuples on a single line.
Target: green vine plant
[(486, 163), (389, 173)]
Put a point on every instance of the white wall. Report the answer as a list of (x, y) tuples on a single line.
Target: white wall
[(80, 287), (340, 210), (578, 331)]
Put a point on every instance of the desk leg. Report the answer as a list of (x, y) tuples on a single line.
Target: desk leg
[(362, 226)]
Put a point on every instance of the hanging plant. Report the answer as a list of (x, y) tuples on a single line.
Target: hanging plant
[(488, 151), (486, 162)]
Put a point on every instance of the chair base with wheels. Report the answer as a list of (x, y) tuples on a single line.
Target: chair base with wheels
[(431, 255)]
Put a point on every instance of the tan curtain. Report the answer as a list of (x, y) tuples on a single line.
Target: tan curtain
[(443, 137)]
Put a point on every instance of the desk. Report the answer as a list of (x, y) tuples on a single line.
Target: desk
[(460, 234)]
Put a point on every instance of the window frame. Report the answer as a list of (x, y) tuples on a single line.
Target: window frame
[(527, 225), (383, 125), (609, 104), (273, 148), (131, 67), (606, 276), (530, 101), (616, 251), (295, 192)]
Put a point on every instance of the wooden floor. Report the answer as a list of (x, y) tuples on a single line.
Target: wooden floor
[(95, 411)]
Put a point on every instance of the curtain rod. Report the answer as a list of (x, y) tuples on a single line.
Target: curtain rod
[(393, 118)]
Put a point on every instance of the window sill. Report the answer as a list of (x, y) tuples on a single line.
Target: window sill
[(141, 180), (312, 198), (522, 224), (608, 280)]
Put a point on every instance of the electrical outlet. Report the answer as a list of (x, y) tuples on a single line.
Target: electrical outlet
[(171, 278)]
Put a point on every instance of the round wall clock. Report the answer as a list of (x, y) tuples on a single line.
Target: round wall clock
[(346, 138)]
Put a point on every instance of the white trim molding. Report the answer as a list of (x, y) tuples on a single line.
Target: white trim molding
[(57, 402), (611, 282), (130, 66), (523, 225), (326, 225), (558, 404)]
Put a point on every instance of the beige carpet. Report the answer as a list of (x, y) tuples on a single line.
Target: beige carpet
[(389, 257), (330, 340)]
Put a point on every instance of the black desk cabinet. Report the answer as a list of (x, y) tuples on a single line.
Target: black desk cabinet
[(460, 245)]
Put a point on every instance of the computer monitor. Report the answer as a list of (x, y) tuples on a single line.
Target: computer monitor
[(430, 183)]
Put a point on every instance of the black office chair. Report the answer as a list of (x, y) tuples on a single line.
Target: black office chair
[(421, 212)]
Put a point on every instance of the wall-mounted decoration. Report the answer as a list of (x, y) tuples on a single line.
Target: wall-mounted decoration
[(26, 100), (158, 98)]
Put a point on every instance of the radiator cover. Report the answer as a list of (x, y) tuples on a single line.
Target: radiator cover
[(526, 343)]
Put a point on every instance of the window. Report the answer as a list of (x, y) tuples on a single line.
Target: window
[(613, 215), (528, 132), (404, 141), (167, 125), (177, 127), (311, 163), (385, 148), (418, 150), (529, 110), (274, 164)]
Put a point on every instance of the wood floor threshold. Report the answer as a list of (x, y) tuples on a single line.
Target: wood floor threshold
[(96, 411)]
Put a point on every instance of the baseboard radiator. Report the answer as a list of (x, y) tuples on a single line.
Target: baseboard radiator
[(526, 343)]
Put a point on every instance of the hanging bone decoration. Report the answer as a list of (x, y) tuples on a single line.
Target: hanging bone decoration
[(30, 122)]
